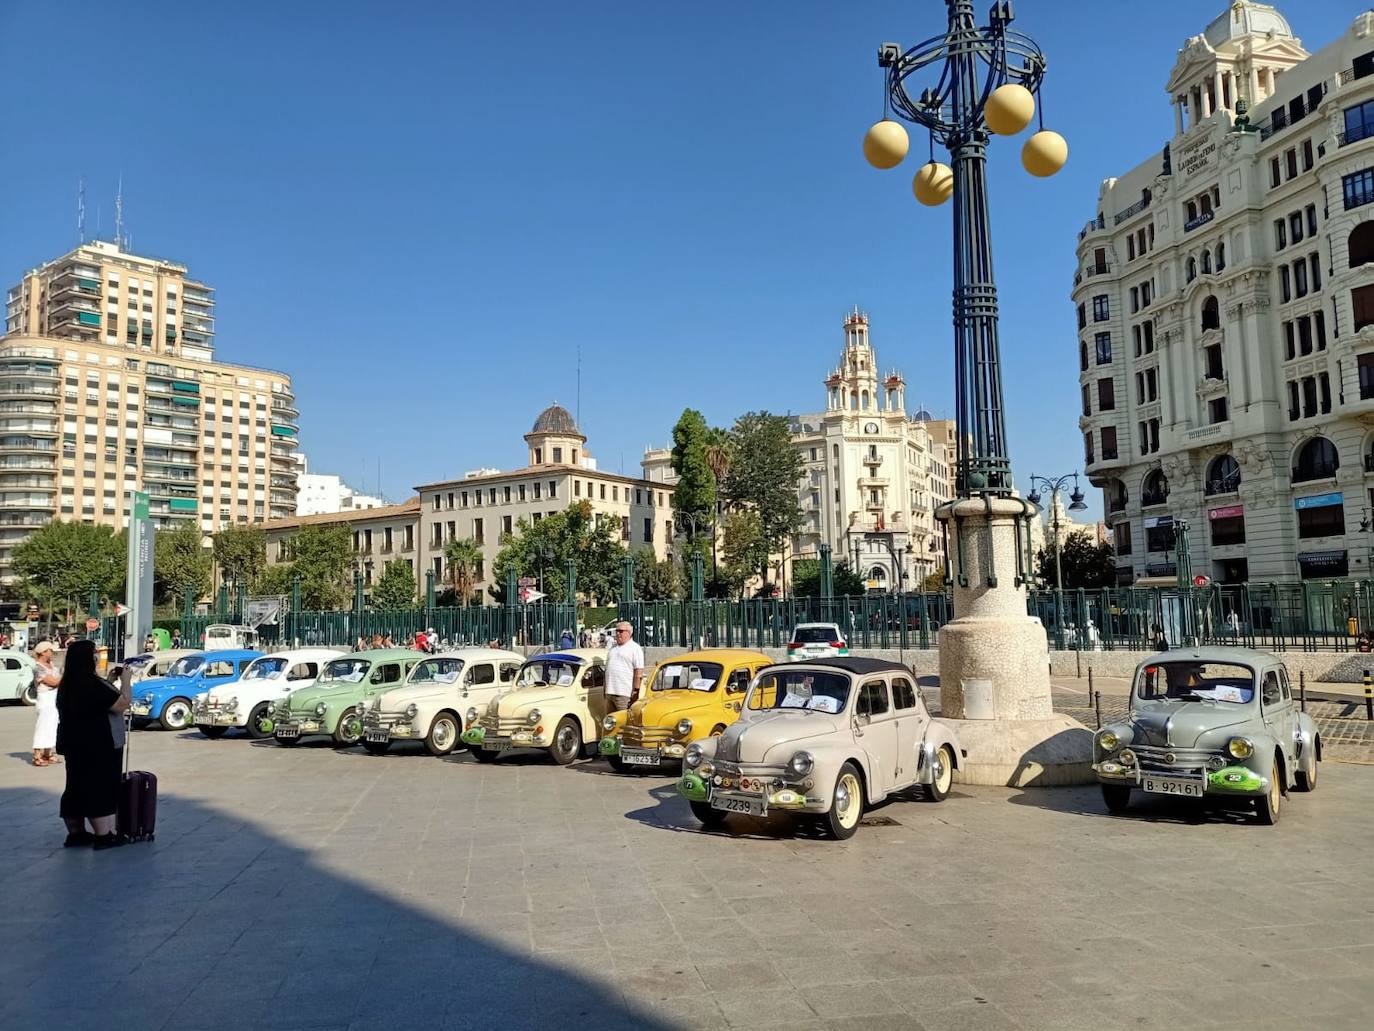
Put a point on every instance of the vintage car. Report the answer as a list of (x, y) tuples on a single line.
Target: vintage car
[(16, 677), (247, 704), (168, 701), (557, 704), (688, 697), (822, 739), (154, 664), (431, 705), (816, 641), (1213, 723), (332, 705)]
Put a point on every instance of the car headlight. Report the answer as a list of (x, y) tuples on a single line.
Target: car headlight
[(684, 727), (532, 717), (1126, 757), (148, 698), (1107, 741), (608, 723), (1240, 747), (693, 757), (321, 709), (231, 705), (472, 714), (412, 710), (801, 763)]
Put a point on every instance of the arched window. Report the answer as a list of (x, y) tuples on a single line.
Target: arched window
[(1211, 314), (1361, 244), (1317, 460), (1192, 269), (853, 401), (1221, 257), (1155, 490), (863, 400), (1083, 354), (878, 574), (1206, 262), (1223, 476)]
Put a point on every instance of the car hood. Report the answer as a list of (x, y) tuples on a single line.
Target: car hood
[(1181, 724), (309, 697), (515, 702), (169, 686), (256, 690), (663, 708), (400, 697), (751, 740)]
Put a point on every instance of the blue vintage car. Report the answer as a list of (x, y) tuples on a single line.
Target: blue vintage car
[(168, 700)]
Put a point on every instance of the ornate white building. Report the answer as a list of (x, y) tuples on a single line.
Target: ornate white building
[(873, 475), (1225, 301)]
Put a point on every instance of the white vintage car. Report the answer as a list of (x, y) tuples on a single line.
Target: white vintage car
[(247, 703), (822, 738), (557, 704), (150, 665), (431, 705)]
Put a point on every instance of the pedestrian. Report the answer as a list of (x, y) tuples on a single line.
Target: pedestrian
[(176, 637), (150, 643), (566, 640), (1233, 621), (90, 733), (376, 641), (624, 669), (1158, 640), (45, 681), (431, 641), (387, 642), (361, 645), (1363, 643)]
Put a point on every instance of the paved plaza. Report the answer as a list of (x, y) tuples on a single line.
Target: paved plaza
[(312, 888)]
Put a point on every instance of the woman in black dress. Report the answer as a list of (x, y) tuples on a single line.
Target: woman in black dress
[(91, 737)]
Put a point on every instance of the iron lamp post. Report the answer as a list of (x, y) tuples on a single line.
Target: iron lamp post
[(1054, 485)]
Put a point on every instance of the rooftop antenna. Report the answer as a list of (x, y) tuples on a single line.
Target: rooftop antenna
[(119, 214), (81, 211), (578, 416)]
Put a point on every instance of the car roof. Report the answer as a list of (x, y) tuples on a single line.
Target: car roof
[(722, 655), (817, 623), (231, 653), (570, 655), (167, 653), (1214, 653), (478, 655), (853, 664), (305, 653), (383, 654)]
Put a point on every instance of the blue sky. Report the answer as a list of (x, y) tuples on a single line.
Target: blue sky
[(423, 211)]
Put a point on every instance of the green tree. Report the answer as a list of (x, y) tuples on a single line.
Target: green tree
[(806, 579), (1085, 562), (323, 557), (765, 469), (574, 533), (395, 588), (744, 549), (275, 580), (463, 556), (934, 582), (241, 552), (656, 579), (65, 560), (694, 495), (180, 562)]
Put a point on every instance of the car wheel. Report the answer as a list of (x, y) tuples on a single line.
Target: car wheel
[(213, 733), (443, 734), (567, 741), (846, 804), (256, 719), (483, 755), (941, 775), (377, 747), (709, 817), (1306, 781), (1116, 796), (346, 734), (287, 742), (30, 695), (1267, 808), (176, 715)]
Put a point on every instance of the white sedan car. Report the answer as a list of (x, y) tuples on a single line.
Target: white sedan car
[(816, 641), (247, 703)]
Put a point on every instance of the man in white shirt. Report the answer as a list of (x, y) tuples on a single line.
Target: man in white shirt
[(624, 669)]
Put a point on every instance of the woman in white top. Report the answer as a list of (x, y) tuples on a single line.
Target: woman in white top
[(46, 679)]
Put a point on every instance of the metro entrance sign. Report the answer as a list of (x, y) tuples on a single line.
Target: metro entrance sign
[(92, 624)]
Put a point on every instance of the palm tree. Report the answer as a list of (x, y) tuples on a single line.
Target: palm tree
[(463, 556), (719, 452)]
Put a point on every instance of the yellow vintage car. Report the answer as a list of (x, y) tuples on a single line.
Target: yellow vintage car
[(688, 697)]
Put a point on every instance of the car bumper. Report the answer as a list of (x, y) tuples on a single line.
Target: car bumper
[(649, 757), (477, 737), (382, 732), (219, 719), (141, 710), (298, 728), (1229, 780), (695, 788)]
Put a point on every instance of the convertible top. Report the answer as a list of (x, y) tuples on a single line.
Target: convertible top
[(856, 664)]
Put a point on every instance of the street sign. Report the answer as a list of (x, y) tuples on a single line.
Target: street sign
[(121, 609), (1201, 581), (527, 581), (92, 624)]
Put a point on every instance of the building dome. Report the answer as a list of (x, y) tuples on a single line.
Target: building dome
[(923, 416), (556, 419), (1244, 19)]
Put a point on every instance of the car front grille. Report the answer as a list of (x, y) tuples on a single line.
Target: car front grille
[(373, 718), (762, 770), (1154, 759), (646, 737), (504, 726)]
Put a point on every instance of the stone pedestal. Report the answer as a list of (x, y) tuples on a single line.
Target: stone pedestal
[(994, 659)]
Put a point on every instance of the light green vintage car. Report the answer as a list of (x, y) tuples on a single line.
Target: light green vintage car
[(332, 706)]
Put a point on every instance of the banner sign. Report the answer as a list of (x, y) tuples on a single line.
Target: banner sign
[(139, 577), (1226, 512), (1153, 521), (1320, 500)]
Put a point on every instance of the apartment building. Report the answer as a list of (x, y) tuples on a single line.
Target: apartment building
[(1225, 306), (109, 384), (381, 534)]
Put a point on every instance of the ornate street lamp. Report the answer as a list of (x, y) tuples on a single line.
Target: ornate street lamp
[(1054, 485)]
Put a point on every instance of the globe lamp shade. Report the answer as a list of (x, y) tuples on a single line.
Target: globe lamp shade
[(1045, 153), (1009, 109), (886, 144), (1033, 497), (1076, 499), (933, 184)]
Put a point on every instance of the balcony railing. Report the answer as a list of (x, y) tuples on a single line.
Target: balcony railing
[(1355, 134), (1134, 209), (1226, 485), (1150, 498), (1315, 472), (1099, 269), (1098, 223)]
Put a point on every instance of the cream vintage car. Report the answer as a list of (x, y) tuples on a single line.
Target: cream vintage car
[(247, 704), (557, 704), (822, 738), (431, 705)]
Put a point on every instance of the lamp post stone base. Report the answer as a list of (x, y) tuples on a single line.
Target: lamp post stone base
[(994, 658)]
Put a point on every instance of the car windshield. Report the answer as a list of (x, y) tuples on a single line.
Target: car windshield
[(137, 662), (437, 671), (815, 635), (1196, 681), (185, 667), (547, 671), (687, 676), (808, 689), (265, 669), (345, 671)]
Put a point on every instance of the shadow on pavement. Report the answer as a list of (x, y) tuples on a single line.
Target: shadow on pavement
[(219, 924), (1087, 801)]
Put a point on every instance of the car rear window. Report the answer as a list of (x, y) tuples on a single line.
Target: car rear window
[(814, 635)]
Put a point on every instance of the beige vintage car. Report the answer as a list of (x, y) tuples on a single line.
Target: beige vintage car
[(557, 705), (822, 739), (431, 704)]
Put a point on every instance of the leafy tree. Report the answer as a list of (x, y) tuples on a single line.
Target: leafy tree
[(764, 472), (1086, 563), (574, 533), (275, 580), (395, 588), (934, 582), (806, 579), (323, 556), (744, 547), (719, 453), (694, 495), (180, 562), (656, 579), (463, 556), (241, 552), (65, 560)]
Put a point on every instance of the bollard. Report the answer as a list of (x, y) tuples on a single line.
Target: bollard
[(1302, 690), (1097, 709), (1078, 663), (1368, 696), (1090, 683)]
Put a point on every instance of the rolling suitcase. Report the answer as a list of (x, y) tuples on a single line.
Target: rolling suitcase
[(136, 818)]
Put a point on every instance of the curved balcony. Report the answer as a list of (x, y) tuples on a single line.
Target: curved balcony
[(27, 445), (24, 368), (32, 519), (10, 481)]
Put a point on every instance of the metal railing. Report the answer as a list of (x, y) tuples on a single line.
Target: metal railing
[(1135, 208)]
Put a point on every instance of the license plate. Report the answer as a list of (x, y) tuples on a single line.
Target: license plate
[(1173, 786), (139, 710), (378, 735), (640, 758), (288, 732), (751, 805), (496, 744)]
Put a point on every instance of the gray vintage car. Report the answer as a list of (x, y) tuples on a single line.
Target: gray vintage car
[(1215, 723)]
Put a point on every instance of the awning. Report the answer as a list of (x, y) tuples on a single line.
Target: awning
[(1320, 501)]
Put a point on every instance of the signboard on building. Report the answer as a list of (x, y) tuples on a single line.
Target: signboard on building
[(1153, 521), (1320, 500), (139, 576), (1226, 512)]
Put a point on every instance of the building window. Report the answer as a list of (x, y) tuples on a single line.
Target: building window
[(1280, 234), (1159, 537), (1362, 301), (1228, 530), (538, 489), (1321, 521), (1212, 367), (506, 525), (1082, 317), (1088, 458), (1274, 177), (1317, 460), (1106, 396), (1358, 188), (1359, 123), (1155, 490), (1285, 285), (1083, 354), (558, 454), (1121, 538), (478, 533), (1216, 410), (1100, 310), (539, 456), (1211, 314), (1223, 476), (1103, 342), (1108, 443), (1366, 367)]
